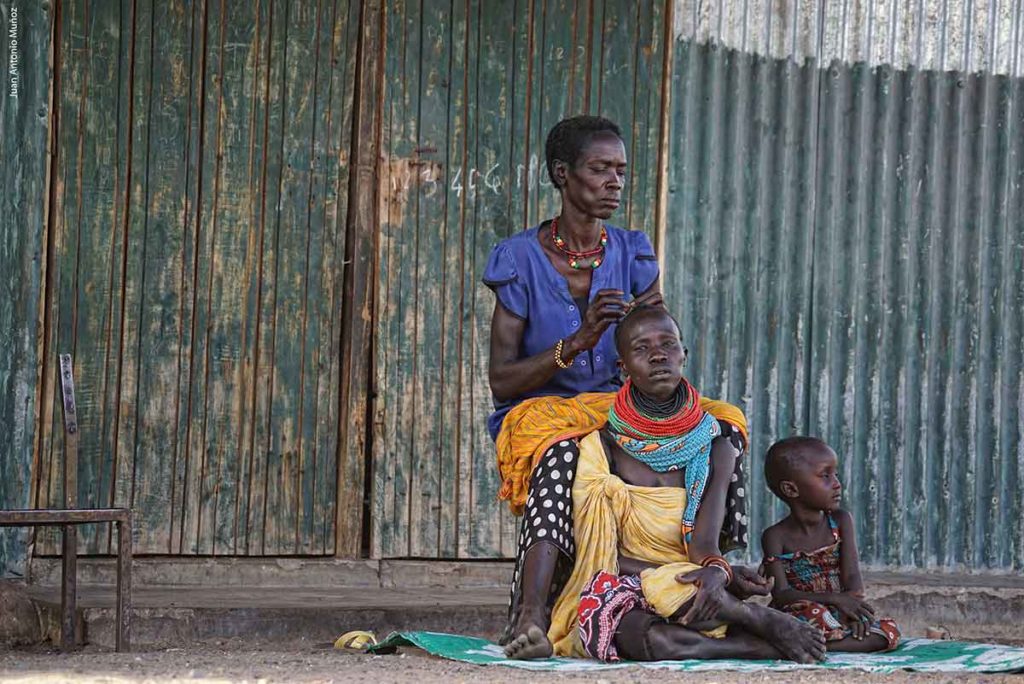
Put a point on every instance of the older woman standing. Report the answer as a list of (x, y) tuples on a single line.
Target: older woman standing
[(559, 288)]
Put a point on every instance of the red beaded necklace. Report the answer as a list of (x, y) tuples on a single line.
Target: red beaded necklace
[(574, 256), (628, 419)]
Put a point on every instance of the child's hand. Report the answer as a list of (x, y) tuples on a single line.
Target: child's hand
[(853, 608), (858, 628), (748, 582)]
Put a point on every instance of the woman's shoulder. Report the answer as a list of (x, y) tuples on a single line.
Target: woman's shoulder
[(635, 242), (510, 258), (518, 247)]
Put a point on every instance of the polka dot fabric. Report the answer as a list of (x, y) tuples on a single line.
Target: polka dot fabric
[(547, 518)]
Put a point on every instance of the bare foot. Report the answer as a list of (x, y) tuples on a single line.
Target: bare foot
[(795, 639), (529, 645)]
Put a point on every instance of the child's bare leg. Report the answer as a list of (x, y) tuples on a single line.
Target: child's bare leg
[(869, 644)]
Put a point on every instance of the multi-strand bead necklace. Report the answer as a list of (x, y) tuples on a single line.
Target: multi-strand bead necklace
[(595, 255)]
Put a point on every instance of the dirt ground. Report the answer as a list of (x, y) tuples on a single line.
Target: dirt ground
[(247, 662)]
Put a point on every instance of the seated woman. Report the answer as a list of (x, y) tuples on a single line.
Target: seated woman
[(644, 586), (553, 364)]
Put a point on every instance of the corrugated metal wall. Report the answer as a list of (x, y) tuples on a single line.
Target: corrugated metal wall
[(472, 89), (852, 246)]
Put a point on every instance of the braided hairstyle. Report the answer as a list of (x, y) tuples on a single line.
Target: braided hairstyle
[(636, 313), (569, 137)]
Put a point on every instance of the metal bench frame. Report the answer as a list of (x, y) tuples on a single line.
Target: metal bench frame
[(70, 516)]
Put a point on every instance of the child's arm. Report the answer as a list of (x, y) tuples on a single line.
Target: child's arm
[(849, 559), (782, 593)]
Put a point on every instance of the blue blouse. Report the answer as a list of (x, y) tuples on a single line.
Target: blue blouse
[(529, 286)]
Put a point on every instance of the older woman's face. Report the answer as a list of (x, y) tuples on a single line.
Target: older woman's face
[(594, 185)]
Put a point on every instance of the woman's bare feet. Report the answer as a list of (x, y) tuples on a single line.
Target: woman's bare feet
[(533, 643), (796, 640)]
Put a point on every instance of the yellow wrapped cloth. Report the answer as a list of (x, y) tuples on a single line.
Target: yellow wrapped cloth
[(611, 516), (533, 425)]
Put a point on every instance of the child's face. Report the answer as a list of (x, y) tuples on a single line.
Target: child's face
[(652, 355), (817, 481)]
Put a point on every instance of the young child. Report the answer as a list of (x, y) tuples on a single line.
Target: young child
[(812, 553)]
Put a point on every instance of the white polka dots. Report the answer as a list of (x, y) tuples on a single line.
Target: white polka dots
[(549, 514)]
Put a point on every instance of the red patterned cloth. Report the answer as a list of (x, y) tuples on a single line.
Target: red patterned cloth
[(603, 603)]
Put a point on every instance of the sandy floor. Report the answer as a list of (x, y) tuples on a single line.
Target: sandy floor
[(321, 663)]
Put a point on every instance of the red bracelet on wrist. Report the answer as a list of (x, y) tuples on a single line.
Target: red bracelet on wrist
[(719, 562)]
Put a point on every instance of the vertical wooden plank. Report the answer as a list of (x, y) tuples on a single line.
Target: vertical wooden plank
[(285, 444), (116, 351), (452, 291), (203, 138), (436, 83), (139, 67), (61, 258), (358, 296), (266, 462), (319, 478), (251, 479), (319, 259), (98, 260), (386, 458), (233, 46), (553, 51), (165, 305), (25, 113)]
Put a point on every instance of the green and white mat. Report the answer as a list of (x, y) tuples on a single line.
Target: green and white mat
[(917, 655)]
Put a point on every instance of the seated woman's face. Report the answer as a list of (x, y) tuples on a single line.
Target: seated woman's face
[(594, 184), (652, 355)]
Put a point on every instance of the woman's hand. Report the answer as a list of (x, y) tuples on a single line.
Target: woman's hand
[(710, 583), (748, 582), (608, 307)]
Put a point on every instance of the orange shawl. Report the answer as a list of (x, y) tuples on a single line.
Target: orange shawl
[(533, 425)]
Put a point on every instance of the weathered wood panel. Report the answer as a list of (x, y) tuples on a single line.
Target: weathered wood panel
[(201, 206), (24, 114), (472, 89)]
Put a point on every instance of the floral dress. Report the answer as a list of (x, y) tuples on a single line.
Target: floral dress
[(818, 572)]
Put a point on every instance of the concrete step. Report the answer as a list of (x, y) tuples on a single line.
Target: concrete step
[(168, 616), (218, 600), (279, 572)]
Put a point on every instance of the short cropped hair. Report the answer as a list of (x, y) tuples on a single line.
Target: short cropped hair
[(635, 315), (569, 137), (786, 456)]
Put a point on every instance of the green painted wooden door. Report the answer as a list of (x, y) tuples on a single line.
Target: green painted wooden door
[(197, 259)]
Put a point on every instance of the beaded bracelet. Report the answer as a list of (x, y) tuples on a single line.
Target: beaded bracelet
[(719, 562), (558, 355)]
